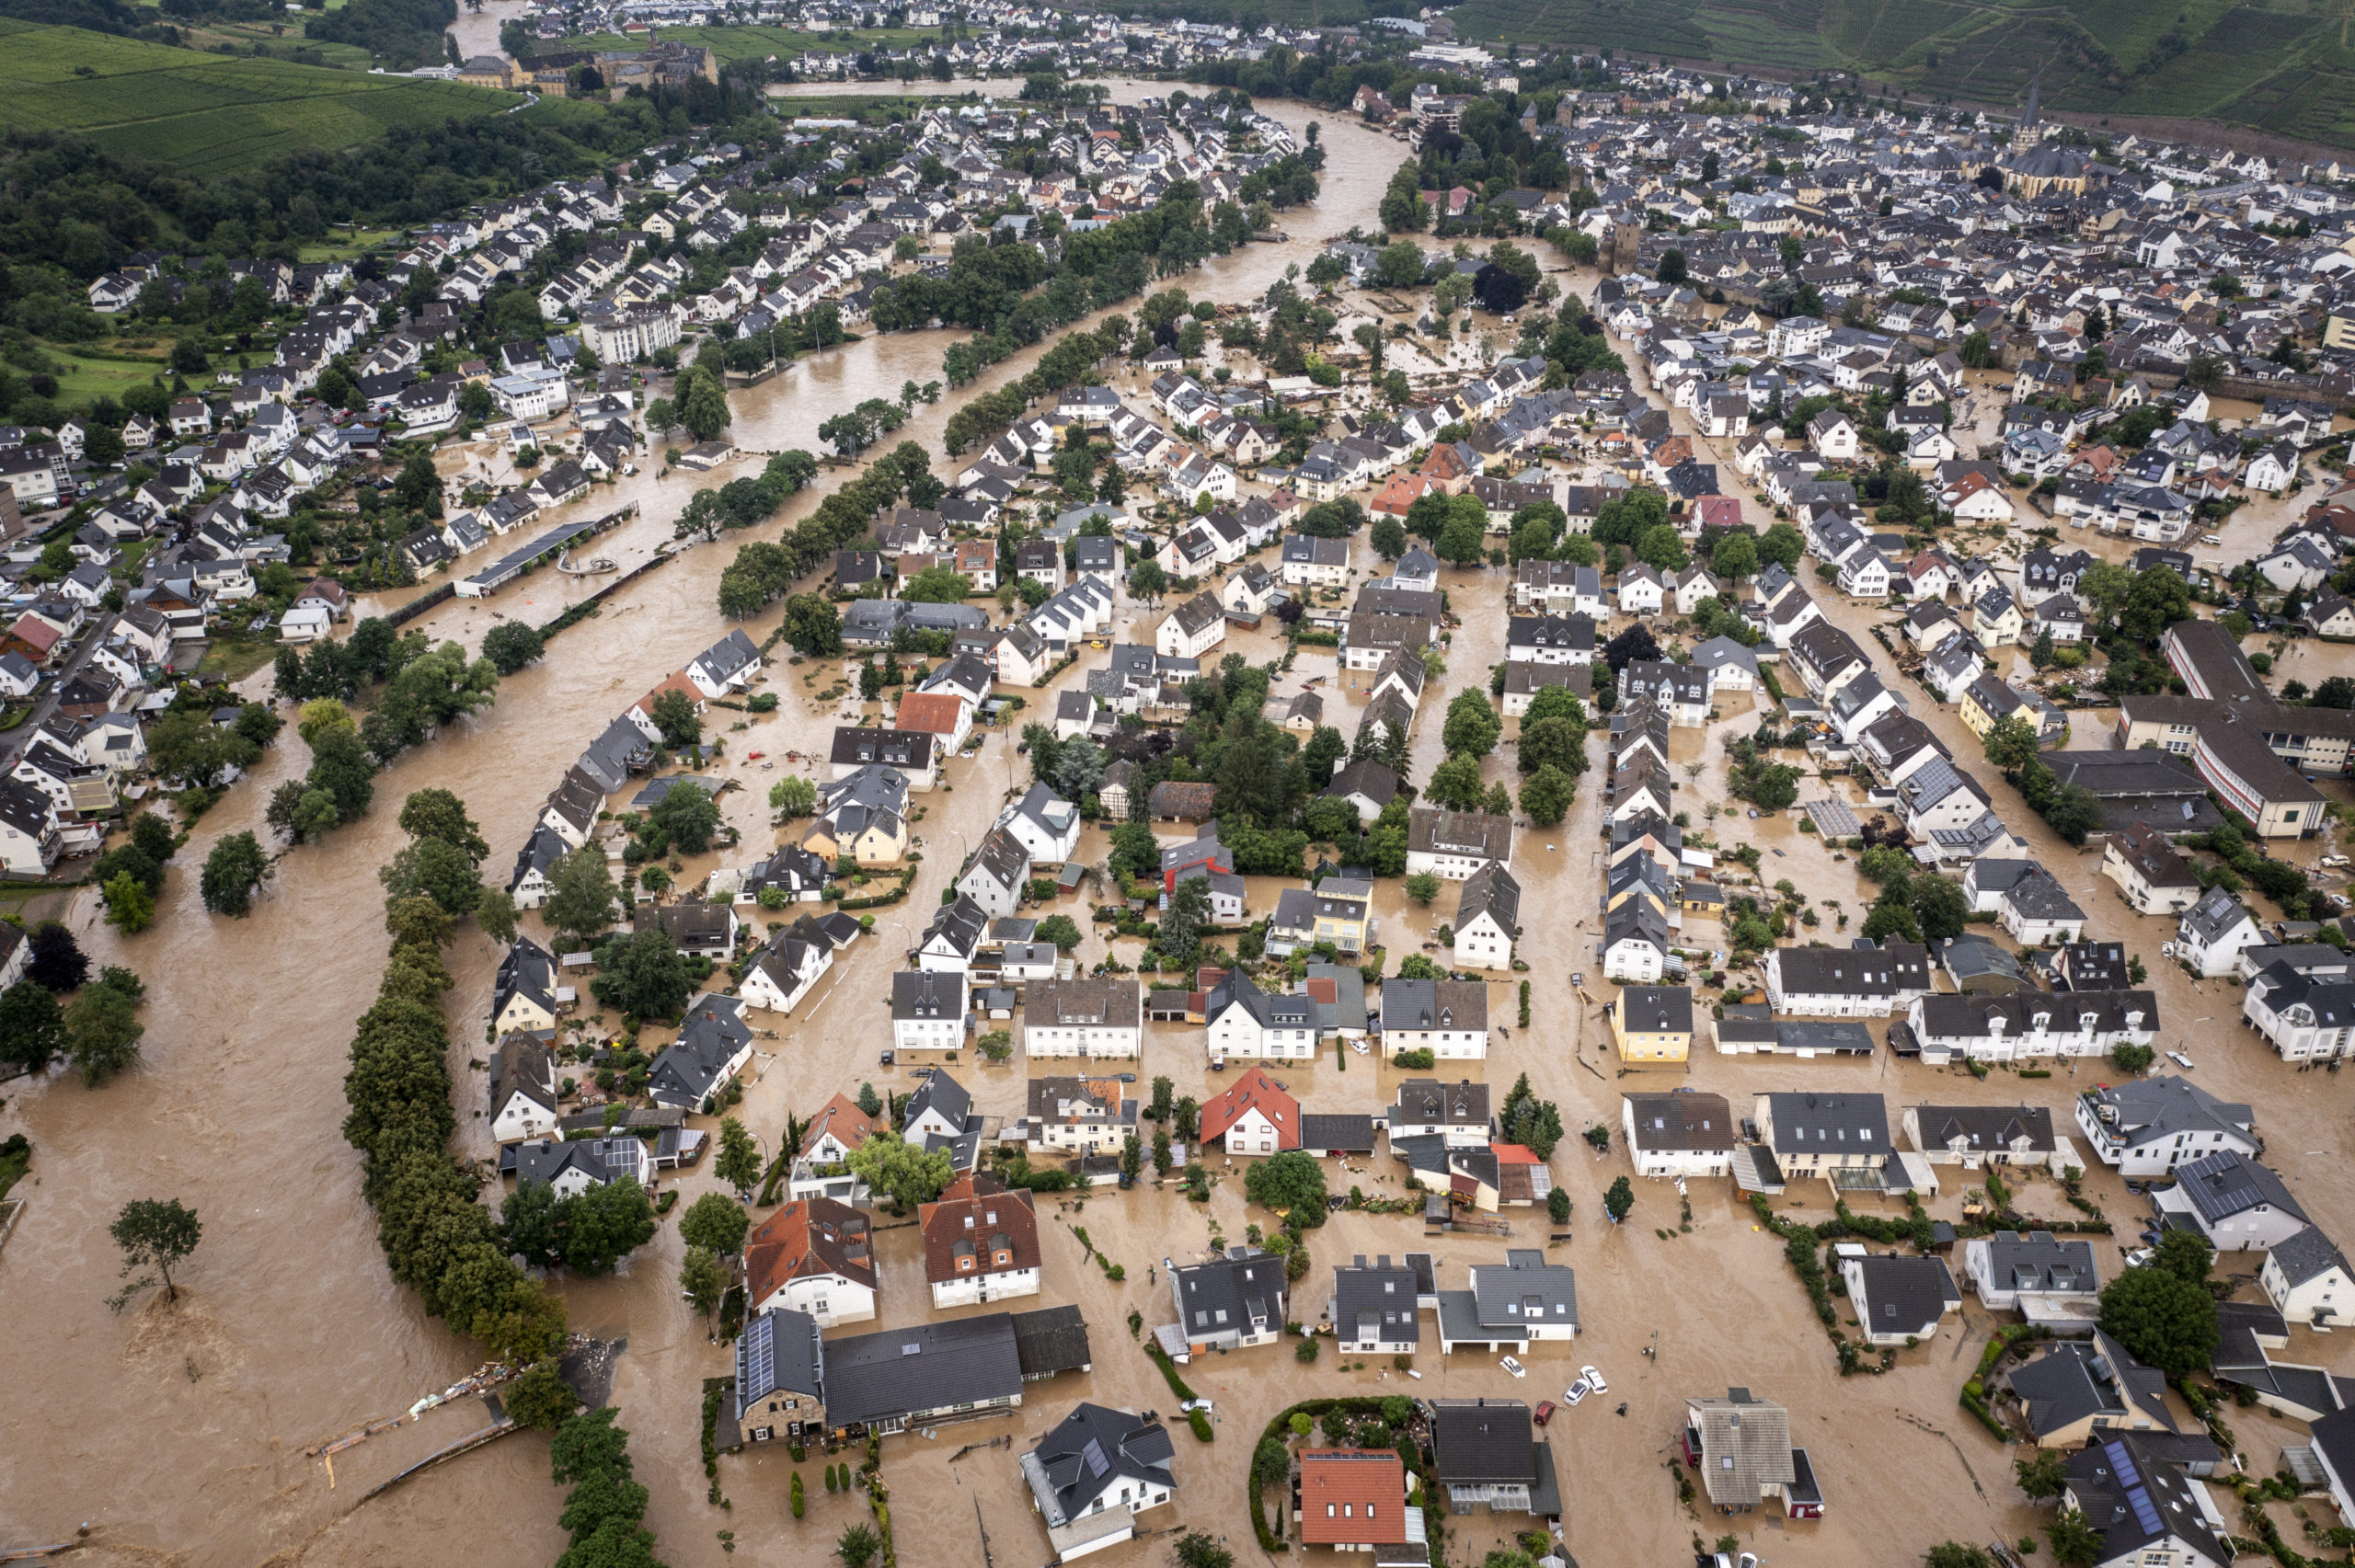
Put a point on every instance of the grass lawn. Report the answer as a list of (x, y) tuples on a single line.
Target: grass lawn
[(861, 105), (87, 378), (754, 43), (352, 243), (13, 1168), (212, 113), (236, 661)]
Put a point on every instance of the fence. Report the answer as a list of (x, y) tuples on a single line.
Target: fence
[(421, 604)]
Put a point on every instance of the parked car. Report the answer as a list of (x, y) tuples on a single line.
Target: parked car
[(1576, 1391), (1189, 1406), (1515, 1367), (1544, 1412), (1594, 1380)]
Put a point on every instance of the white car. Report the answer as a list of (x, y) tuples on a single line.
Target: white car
[(1187, 1407), (1515, 1367), (1576, 1391), (1593, 1381), (2181, 1061)]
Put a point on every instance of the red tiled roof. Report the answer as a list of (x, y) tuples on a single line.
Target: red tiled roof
[(935, 713), (1254, 1089), (1352, 1497)]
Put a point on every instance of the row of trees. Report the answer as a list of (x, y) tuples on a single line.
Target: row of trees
[(763, 573), (437, 1237)]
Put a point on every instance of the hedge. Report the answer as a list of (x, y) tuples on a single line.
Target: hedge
[(1278, 1427)]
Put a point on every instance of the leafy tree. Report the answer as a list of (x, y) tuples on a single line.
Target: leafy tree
[(511, 645), (715, 1221), (858, 1545), (435, 869), (496, 914), (813, 627), (1618, 1200), (2162, 1320), (603, 1223), (234, 871), (1323, 754), (1955, 1553), (1389, 538), (1940, 907), (1422, 886), (703, 1278), (1663, 548), (2043, 1477), (938, 585), (1527, 1120), (2010, 742), (1556, 741), (2075, 812), (642, 975), (1197, 1549), (583, 899), (102, 1029), (2074, 1540), (793, 797), (1181, 926), (1782, 544), (1472, 726), (1291, 1182), (2186, 1255), (2158, 598), (675, 718), (33, 1029), (56, 961), (1546, 796), (1060, 930), (901, 1171), (1635, 646), (1736, 555), (1455, 784), (541, 1399), (738, 1161), (1462, 543), (439, 814), (155, 1233)]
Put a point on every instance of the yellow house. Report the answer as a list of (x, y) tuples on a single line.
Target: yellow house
[(1338, 910), (1995, 620), (1984, 700), (1652, 1025), (489, 71), (878, 839)]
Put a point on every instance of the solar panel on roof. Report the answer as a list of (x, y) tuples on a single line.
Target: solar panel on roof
[(1094, 1454)]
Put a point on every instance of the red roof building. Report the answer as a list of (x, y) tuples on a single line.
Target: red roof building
[(1256, 1115), (1355, 1500)]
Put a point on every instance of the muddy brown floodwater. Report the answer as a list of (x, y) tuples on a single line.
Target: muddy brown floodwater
[(178, 1433)]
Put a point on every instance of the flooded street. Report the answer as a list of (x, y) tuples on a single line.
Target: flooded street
[(290, 1332)]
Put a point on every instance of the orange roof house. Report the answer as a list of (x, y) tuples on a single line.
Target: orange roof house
[(979, 1230), (837, 1128), (675, 681), (1355, 1499), (935, 713), (1264, 1119), (1446, 470), (810, 1243), (1400, 493)]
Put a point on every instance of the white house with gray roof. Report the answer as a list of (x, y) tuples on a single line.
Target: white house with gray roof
[(2306, 1278), (2238, 1204), (1528, 1298), (2148, 1126)]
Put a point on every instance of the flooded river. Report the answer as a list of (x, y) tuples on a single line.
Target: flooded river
[(289, 1330)]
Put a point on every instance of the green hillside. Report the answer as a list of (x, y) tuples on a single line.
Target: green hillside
[(2284, 65), (207, 114)]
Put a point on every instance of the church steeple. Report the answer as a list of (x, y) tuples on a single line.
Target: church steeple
[(2031, 127)]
